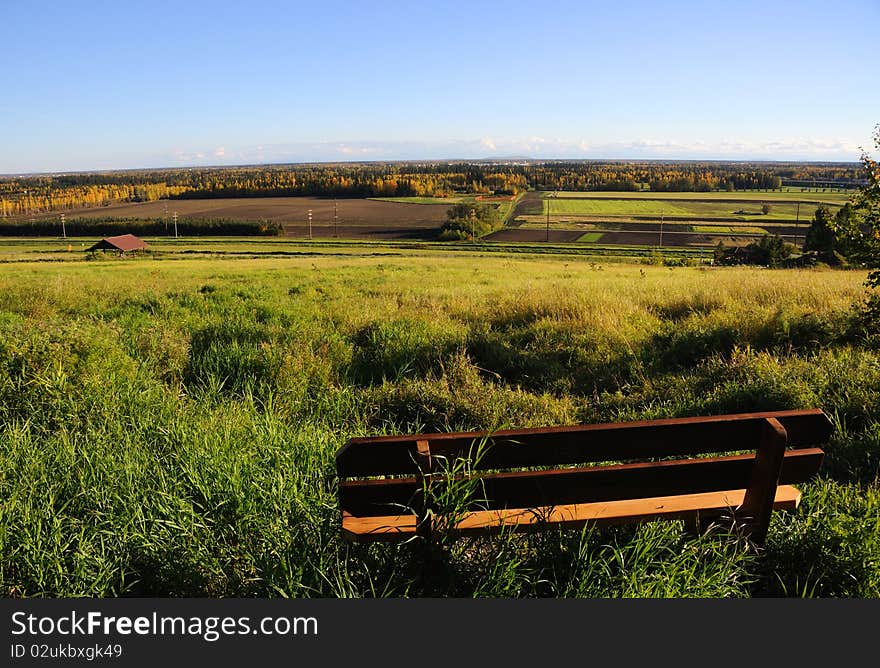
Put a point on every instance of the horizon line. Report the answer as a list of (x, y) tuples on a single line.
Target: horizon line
[(498, 159)]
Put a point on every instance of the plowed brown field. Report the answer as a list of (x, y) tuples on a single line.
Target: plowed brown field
[(357, 217)]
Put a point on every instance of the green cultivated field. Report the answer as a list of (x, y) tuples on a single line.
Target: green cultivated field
[(421, 200), (168, 424), (791, 195), (591, 237), (679, 208)]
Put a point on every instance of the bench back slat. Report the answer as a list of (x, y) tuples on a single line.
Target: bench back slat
[(558, 446), (528, 489)]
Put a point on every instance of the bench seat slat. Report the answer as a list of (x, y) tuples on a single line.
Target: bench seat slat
[(557, 446), (679, 506), (525, 489)]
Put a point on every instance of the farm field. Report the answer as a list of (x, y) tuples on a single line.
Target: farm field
[(690, 223), (707, 233), (179, 414), (691, 220), (677, 209), (358, 218), (387, 218), (785, 195), (534, 234), (590, 237), (637, 234), (421, 200)]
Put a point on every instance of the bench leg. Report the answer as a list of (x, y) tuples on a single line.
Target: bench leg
[(435, 571), (430, 552), (757, 506)]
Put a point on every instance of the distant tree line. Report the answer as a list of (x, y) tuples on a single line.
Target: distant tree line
[(31, 195), (102, 227)]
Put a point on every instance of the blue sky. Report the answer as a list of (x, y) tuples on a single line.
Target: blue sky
[(101, 85)]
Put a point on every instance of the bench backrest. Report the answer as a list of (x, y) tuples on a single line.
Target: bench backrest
[(382, 472)]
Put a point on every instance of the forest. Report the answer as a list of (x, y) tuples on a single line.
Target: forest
[(34, 194)]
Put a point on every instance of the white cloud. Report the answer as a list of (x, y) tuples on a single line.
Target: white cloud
[(536, 147)]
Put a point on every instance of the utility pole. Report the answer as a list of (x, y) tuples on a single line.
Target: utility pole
[(335, 219), (63, 228), (548, 220), (174, 217), (310, 223), (473, 226), (165, 218)]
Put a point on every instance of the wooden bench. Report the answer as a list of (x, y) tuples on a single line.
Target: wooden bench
[(529, 479)]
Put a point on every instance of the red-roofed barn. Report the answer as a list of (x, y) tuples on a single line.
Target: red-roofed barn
[(124, 243)]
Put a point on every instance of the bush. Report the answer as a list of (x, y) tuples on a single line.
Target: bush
[(820, 237), (769, 251), (466, 220), (450, 234)]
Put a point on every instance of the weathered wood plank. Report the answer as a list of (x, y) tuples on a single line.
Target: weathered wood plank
[(681, 506)]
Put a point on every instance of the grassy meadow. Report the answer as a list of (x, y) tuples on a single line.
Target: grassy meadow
[(167, 428)]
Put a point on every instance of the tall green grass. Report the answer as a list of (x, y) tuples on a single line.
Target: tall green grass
[(168, 428)]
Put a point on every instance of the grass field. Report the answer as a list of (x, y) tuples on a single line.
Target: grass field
[(591, 237), (168, 427), (789, 195), (677, 208), (420, 200)]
